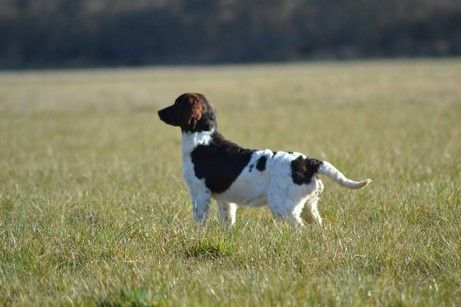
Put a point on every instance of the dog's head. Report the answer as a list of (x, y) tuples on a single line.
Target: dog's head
[(191, 112)]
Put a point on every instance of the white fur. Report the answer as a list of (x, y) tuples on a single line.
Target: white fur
[(200, 194), (274, 186), (329, 170)]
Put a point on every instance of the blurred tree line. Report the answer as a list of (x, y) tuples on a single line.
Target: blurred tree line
[(52, 33)]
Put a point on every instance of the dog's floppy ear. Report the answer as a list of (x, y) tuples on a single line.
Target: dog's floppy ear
[(192, 107)]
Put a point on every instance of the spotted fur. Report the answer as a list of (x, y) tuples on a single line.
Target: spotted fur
[(213, 167), (261, 165)]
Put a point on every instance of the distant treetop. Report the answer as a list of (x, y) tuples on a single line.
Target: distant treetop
[(63, 33)]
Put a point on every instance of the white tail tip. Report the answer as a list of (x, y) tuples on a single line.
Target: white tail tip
[(329, 170), (363, 184)]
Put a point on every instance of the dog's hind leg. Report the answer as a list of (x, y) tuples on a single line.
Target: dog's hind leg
[(311, 207), (311, 211), (285, 208), (227, 212)]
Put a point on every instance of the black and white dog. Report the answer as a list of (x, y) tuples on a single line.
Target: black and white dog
[(214, 167)]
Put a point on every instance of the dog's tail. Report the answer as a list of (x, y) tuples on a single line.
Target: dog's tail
[(330, 171)]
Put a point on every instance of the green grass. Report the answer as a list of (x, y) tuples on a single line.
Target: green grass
[(93, 209)]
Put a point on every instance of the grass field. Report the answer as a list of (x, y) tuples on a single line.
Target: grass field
[(93, 209)]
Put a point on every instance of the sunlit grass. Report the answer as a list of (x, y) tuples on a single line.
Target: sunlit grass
[(93, 208)]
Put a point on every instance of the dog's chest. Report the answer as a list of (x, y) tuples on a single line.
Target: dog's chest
[(195, 184)]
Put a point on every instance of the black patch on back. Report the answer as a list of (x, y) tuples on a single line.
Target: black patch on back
[(261, 165), (290, 152), (274, 153), (302, 169), (220, 162), (251, 168)]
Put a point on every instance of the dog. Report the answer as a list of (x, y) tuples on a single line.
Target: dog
[(214, 167)]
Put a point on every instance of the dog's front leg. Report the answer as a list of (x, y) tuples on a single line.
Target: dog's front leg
[(201, 207), (226, 212)]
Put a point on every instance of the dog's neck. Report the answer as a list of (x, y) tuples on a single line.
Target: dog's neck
[(190, 140)]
